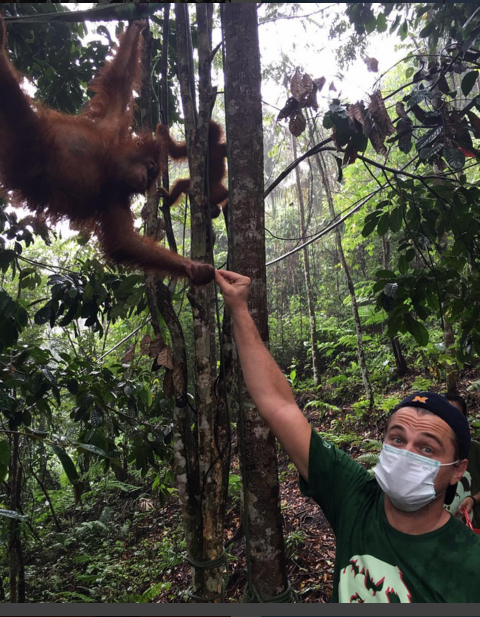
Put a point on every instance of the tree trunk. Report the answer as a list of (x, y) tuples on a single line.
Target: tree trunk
[(262, 516), (451, 368), (16, 569), (308, 284), (351, 289), (400, 362), (212, 428)]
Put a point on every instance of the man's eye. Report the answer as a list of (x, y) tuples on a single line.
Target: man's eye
[(428, 450), (396, 440)]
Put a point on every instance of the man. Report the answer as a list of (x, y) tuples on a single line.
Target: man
[(395, 540), (467, 494)]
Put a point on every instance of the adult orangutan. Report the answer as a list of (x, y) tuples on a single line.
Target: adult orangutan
[(87, 168)]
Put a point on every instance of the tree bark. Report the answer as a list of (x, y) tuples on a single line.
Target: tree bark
[(262, 517), (212, 429), (16, 568), (400, 361), (308, 283)]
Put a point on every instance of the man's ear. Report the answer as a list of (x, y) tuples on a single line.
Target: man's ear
[(459, 470)]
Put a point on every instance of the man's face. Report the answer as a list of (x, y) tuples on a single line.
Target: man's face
[(429, 436)]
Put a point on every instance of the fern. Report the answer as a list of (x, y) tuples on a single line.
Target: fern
[(370, 459)]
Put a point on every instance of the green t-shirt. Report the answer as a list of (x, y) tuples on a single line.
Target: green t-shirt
[(375, 562), (469, 484)]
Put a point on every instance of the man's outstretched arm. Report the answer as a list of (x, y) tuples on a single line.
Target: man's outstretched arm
[(265, 382)]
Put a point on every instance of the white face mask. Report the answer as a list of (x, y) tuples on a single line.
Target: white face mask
[(407, 478)]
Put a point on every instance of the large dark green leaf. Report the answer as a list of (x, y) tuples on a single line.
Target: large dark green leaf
[(369, 227), (468, 82), (429, 137), (4, 459), (12, 514), (88, 447), (427, 31), (416, 329), (454, 158), (396, 219), (67, 464), (383, 224), (43, 316)]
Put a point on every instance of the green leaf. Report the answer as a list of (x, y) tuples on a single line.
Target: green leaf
[(383, 224), (43, 315), (428, 138), (369, 227), (416, 329), (427, 31), (454, 158), (72, 386), (468, 82), (67, 464), (385, 274), (396, 219), (403, 264), (88, 447), (4, 459), (327, 121), (13, 514), (381, 23)]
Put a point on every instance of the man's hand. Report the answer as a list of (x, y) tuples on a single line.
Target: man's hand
[(234, 289)]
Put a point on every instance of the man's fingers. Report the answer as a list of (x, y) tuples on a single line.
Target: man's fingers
[(230, 276), (221, 281)]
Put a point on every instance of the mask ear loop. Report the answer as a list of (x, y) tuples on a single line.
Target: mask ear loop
[(447, 464)]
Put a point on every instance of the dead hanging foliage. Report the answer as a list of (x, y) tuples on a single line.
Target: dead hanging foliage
[(129, 356), (404, 129), (297, 124), (304, 94), (380, 115), (372, 64)]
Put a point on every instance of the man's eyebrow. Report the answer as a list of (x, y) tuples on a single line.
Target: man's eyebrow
[(398, 427), (432, 436)]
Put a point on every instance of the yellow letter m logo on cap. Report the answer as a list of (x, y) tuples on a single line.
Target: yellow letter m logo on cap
[(420, 399)]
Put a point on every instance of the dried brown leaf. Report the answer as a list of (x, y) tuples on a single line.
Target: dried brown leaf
[(297, 124), (145, 345), (165, 358), (291, 106), (367, 124), (296, 84), (178, 381), (319, 82), (400, 109), (377, 142), (301, 86), (380, 116), (128, 357), (350, 154), (355, 112), (156, 346), (372, 64), (312, 100)]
